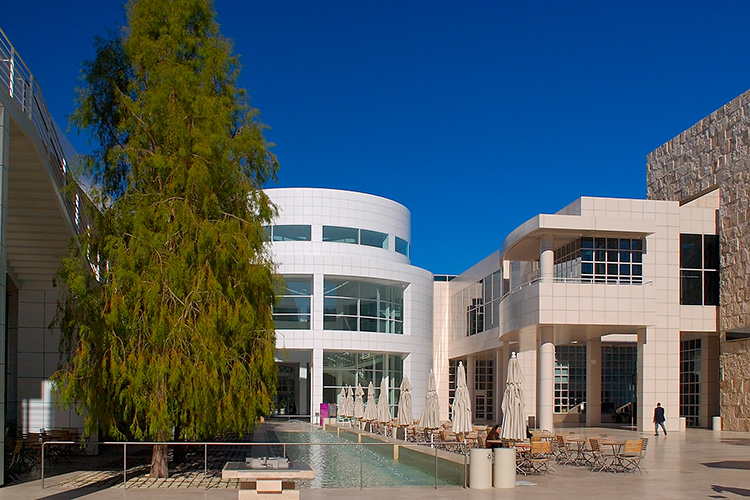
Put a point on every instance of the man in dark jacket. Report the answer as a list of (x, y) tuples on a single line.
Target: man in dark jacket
[(659, 419)]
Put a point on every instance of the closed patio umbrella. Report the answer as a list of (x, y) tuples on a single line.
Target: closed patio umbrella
[(384, 411), (461, 403), (341, 402), (431, 413), (359, 405), (349, 403), (514, 418), (405, 416), (371, 411)]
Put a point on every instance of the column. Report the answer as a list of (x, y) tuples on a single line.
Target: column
[(501, 374), (545, 378), (546, 257), (471, 379), (317, 383), (4, 165), (594, 382), (658, 376)]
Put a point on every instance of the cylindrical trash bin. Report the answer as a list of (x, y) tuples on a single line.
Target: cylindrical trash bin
[(480, 469), (716, 423), (683, 424), (504, 472)]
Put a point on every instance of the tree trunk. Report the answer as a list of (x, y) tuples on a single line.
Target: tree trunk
[(159, 461)]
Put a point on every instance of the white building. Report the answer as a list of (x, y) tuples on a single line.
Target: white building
[(352, 309), (590, 297)]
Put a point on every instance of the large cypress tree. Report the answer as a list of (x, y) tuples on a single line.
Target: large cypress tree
[(167, 327)]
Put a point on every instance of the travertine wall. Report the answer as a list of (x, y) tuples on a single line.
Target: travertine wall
[(715, 152)]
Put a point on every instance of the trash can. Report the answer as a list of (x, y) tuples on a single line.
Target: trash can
[(683, 424), (716, 423), (504, 471), (480, 469)]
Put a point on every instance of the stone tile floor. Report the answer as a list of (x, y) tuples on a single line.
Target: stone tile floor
[(693, 464)]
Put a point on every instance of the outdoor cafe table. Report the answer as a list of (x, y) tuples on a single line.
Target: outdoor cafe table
[(616, 445), (267, 482), (580, 442)]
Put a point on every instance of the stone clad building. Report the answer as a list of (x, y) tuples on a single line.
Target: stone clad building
[(714, 154)]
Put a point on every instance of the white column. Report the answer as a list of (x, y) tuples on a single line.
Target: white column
[(471, 378), (501, 373), (546, 257), (4, 165), (545, 378), (594, 382), (317, 383)]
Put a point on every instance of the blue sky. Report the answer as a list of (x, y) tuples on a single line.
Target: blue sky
[(475, 115)]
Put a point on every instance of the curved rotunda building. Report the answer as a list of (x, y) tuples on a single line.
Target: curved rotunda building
[(351, 309)]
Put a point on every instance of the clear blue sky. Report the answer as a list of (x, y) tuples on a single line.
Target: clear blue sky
[(475, 115)]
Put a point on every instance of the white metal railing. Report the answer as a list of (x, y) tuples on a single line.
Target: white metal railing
[(18, 81), (578, 281)]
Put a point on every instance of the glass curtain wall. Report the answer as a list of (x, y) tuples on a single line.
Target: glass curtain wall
[(482, 302), (570, 377), (690, 381), (619, 368), (342, 369), (602, 260), (365, 306), (292, 310)]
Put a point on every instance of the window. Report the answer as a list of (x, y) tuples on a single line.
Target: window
[(482, 301), (342, 369), (699, 269), (619, 367), (690, 381), (365, 306), (402, 246), (570, 377), (341, 234), (286, 233), (373, 238), (601, 260), (292, 310)]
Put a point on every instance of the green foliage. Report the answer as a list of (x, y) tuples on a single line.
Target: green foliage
[(176, 332)]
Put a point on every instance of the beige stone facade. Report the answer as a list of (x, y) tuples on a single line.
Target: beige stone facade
[(715, 154)]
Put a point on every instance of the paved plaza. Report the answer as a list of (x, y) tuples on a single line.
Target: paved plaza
[(693, 464)]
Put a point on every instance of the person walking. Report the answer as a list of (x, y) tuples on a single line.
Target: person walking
[(659, 419)]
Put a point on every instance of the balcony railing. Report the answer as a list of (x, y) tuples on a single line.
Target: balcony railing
[(17, 80)]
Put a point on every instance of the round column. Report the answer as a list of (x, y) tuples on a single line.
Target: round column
[(545, 378)]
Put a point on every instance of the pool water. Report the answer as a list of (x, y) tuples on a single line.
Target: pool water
[(339, 466)]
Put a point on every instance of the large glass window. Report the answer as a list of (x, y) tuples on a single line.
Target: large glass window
[(699, 269), (690, 381), (373, 238), (570, 377), (287, 233), (292, 310), (402, 246), (482, 301), (619, 365), (601, 260), (362, 305), (341, 234), (342, 369), (484, 389)]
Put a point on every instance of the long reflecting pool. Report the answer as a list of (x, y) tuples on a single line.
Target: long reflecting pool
[(339, 466)]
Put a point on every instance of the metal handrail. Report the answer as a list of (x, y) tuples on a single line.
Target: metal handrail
[(206, 444), (24, 90), (579, 281)]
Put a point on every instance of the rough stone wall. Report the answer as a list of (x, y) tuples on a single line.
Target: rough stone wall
[(715, 152)]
